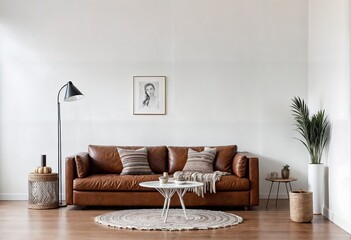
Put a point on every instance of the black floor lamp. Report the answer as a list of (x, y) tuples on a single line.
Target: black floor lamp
[(72, 94)]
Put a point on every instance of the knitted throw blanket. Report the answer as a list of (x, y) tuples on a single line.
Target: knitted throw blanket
[(209, 180)]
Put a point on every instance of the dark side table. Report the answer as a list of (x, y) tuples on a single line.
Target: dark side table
[(279, 180)]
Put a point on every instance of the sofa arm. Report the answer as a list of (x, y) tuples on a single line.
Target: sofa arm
[(253, 175), (71, 174)]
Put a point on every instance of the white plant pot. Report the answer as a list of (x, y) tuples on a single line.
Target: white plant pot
[(316, 186)]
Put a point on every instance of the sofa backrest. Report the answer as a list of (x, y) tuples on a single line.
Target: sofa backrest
[(105, 159), (177, 157)]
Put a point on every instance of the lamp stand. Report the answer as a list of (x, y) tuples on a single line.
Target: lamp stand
[(59, 147), (72, 94)]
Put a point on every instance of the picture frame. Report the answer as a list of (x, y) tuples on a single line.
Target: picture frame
[(149, 95)]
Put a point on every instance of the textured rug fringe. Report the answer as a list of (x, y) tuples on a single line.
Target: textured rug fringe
[(150, 220)]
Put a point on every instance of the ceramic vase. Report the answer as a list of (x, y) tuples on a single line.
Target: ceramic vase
[(316, 186), (285, 173)]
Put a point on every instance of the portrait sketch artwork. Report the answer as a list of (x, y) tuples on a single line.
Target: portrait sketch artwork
[(149, 95)]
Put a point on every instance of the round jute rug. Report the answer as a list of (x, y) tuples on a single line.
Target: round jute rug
[(150, 219)]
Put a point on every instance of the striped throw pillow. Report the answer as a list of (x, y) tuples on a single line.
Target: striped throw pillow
[(134, 161), (200, 161)]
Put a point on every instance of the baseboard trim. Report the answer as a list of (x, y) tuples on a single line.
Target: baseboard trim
[(24, 196), (13, 196), (16, 196), (274, 195), (337, 219)]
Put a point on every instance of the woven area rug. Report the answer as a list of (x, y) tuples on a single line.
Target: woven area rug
[(150, 219)]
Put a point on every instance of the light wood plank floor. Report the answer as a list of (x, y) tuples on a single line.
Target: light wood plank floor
[(18, 222)]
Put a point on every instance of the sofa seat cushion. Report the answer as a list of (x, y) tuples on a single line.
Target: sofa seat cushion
[(113, 182), (232, 183)]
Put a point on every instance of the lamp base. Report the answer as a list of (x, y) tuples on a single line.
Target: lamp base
[(62, 204)]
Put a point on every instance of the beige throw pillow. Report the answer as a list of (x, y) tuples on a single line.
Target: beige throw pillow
[(134, 161), (200, 161)]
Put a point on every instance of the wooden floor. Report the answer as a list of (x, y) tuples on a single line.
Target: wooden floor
[(18, 222)]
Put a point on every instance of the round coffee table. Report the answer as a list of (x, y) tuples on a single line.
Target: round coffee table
[(168, 189)]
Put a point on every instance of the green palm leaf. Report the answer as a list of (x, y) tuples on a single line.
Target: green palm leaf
[(313, 130)]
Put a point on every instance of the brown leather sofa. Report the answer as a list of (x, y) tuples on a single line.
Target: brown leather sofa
[(92, 178)]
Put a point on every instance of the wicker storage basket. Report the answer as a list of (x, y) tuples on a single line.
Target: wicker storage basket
[(301, 206), (43, 191)]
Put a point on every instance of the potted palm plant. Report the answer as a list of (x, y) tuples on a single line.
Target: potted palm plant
[(313, 130)]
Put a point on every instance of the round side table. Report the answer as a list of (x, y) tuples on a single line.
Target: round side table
[(279, 180), (43, 191)]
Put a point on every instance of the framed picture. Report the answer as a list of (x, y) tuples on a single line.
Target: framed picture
[(149, 95)]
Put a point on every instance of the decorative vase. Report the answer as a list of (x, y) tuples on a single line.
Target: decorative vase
[(285, 173), (316, 186), (43, 160), (301, 206)]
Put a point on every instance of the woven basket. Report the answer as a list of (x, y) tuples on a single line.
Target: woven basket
[(301, 206), (43, 191)]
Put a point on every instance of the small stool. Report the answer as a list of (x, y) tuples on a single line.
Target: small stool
[(279, 180), (43, 191)]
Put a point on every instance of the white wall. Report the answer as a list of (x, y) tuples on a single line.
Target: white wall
[(231, 66), (329, 88)]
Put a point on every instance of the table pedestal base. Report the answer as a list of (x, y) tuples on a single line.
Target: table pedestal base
[(168, 193)]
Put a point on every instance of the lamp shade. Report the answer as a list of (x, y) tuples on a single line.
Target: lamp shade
[(72, 93)]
